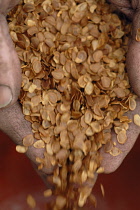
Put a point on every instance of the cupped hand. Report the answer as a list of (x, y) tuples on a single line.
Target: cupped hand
[(10, 72), (131, 8), (12, 121)]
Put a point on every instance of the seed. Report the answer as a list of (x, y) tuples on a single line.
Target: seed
[(28, 140), (102, 190), (138, 35), (39, 144), (100, 170), (137, 119), (132, 104), (31, 201), (47, 193), (60, 202), (122, 137), (81, 57), (21, 149), (115, 151)]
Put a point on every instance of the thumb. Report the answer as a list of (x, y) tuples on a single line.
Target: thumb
[(133, 55), (10, 72)]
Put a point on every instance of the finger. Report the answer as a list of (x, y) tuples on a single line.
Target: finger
[(12, 123), (10, 72), (135, 4), (7, 5), (121, 3), (133, 56), (124, 6), (111, 163)]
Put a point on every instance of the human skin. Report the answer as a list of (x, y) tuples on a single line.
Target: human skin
[(12, 121)]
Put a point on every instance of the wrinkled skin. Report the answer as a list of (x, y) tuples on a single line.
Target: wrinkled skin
[(12, 121)]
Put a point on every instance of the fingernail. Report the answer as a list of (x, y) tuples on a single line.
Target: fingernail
[(5, 96)]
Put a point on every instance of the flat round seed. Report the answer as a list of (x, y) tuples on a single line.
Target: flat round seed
[(132, 104), (122, 137), (115, 151), (39, 144), (137, 119), (28, 140), (21, 149)]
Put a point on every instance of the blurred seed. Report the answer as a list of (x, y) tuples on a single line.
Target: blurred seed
[(47, 193), (31, 201), (102, 190)]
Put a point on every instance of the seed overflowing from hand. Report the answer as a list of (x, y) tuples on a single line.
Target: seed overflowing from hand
[(74, 89)]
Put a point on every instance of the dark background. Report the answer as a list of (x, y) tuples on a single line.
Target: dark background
[(18, 179)]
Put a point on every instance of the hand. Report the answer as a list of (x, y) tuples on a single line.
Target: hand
[(12, 121), (132, 10)]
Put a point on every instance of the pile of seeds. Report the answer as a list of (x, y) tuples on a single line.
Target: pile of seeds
[(74, 88)]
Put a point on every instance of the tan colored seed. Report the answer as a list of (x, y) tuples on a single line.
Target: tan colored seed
[(31, 201), (115, 151), (137, 119), (102, 190), (47, 193), (122, 137), (28, 140), (60, 202), (21, 149), (100, 170), (39, 144), (132, 104)]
